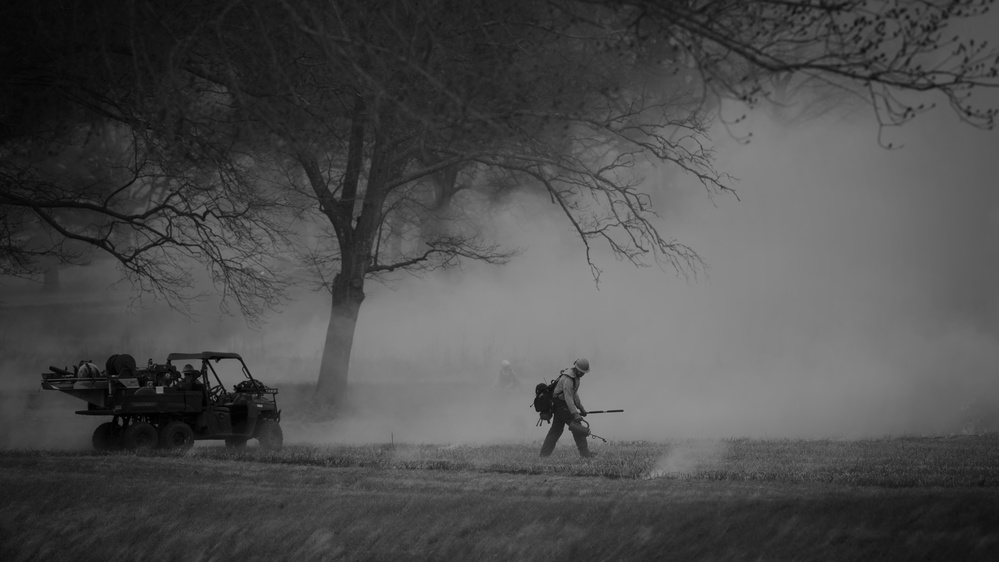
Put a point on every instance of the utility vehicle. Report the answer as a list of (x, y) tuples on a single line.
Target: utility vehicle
[(160, 406)]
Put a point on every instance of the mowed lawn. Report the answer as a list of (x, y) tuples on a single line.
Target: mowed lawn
[(886, 499)]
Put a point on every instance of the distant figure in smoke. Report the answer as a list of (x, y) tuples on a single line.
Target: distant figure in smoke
[(568, 410), (507, 379)]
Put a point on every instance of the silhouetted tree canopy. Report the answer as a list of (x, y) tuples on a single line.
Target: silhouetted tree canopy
[(384, 129)]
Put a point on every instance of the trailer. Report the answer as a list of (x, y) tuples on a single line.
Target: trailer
[(159, 406)]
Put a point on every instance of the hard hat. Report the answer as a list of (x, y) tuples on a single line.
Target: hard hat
[(190, 369), (582, 365), (506, 363)]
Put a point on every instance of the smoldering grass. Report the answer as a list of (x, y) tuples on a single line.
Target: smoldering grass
[(887, 462), (895, 462)]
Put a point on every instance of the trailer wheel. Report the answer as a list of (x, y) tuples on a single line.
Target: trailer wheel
[(235, 442), (140, 436), (176, 435), (269, 434), (106, 437)]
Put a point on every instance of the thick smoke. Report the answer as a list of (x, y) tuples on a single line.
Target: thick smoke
[(850, 293)]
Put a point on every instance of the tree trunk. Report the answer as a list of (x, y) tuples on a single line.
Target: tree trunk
[(356, 243), (346, 302)]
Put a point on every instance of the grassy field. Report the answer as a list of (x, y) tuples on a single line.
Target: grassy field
[(902, 498), (884, 499)]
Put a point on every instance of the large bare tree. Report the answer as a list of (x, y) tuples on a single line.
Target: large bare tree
[(386, 112), (103, 151), (388, 123)]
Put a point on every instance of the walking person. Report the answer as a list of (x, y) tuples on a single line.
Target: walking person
[(568, 410)]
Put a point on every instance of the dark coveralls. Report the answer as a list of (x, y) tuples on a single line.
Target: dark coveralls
[(191, 382), (564, 415)]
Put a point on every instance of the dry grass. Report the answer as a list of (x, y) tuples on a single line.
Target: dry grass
[(901, 499), (892, 462)]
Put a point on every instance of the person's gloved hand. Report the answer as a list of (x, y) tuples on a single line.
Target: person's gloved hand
[(577, 418), (582, 413)]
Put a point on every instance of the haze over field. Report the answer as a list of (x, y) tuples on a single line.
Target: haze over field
[(850, 292)]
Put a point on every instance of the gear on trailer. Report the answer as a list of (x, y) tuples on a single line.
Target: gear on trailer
[(88, 370), (120, 365), (149, 407)]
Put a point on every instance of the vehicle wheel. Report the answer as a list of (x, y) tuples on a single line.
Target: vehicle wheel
[(176, 435), (235, 442), (269, 434), (106, 437), (140, 436)]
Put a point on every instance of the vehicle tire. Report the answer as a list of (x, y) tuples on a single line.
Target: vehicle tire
[(235, 442), (140, 436), (176, 435), (269, 434), (106, 437)]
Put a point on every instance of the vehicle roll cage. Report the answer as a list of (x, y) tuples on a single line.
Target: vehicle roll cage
[(206, 357)]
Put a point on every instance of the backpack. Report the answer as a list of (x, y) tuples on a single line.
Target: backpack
[(544, 396)]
